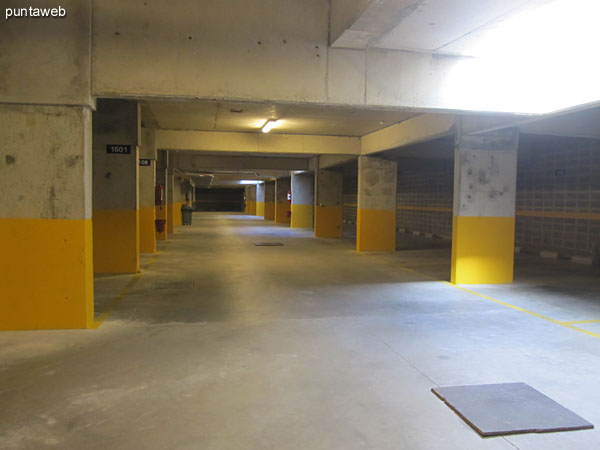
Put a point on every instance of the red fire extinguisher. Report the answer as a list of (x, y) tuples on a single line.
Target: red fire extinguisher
[(288, 213)]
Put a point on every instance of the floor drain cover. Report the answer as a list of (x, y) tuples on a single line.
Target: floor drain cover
[(268, 244), (509, 408)]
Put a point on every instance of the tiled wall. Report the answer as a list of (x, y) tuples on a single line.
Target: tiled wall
[(350, 199)]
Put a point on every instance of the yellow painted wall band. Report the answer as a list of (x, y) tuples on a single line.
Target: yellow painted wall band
[(376, 230), (147, 229), (269, 210), (46, 274), (302, 216), (281, 212), (328, 221), (260, 208), (482, 250), (116, 241)]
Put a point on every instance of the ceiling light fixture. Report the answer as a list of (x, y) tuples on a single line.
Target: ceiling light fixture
[(269, 125)]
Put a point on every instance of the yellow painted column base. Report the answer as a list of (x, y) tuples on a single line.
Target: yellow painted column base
[(177, 218), (147, 229), (161, 213), (328, 221), (46, 274), (251, 208), (116, 241), (375, 230), (482, 250), (281, 212), (302, 216), (269, 211), (260, 208)]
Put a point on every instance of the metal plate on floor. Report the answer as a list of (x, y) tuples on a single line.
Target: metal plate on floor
[(509, 408), (268, 244)]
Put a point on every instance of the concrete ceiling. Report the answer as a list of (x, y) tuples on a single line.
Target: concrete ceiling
[(438, 26), (250, 117)]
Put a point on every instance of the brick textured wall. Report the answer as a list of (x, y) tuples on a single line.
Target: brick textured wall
[(425, 193), (350, 199), (558, 195)]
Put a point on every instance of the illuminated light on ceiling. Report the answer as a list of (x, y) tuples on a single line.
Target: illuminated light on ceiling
[(270, 124), (538, 61), (249, 182)]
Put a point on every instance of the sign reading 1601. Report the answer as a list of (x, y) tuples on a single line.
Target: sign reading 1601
[(115, 149)]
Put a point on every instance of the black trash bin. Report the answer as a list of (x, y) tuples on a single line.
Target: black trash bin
[(186, 214)]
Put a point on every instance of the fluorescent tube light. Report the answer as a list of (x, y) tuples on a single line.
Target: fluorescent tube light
[(269, 125)]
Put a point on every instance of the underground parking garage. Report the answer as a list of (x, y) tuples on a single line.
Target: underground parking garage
[(300, 225)]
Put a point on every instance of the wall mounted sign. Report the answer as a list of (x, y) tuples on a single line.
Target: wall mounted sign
[(115, 149), (145, 162)]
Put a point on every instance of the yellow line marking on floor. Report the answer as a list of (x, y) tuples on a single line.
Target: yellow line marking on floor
[(568, 325), (122, 293), (573, 322)]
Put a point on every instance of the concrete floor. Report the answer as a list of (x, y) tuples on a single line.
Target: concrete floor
[(219, 344)]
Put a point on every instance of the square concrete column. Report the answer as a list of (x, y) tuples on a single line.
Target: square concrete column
[(260, 199), (376, 213), (269, 200), (115, 139), (483, 227), (170, 191), (251, 199), (177, 199), (282, 205), (46, 269), (329, 208), (303, 185), (147, 188), (162, 164)]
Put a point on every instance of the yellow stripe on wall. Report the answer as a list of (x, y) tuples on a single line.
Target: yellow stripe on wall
[(302, 216), (482, 250), (147, 229), (376, 230), (116, 241), (422, 208), (281, 212), (46, 274), (269, 211), (522, 213), (559, 215), (328, 221)]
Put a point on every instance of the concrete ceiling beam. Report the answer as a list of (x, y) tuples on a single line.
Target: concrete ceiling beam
[(422, 128), (256, 142), (192, 161)]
